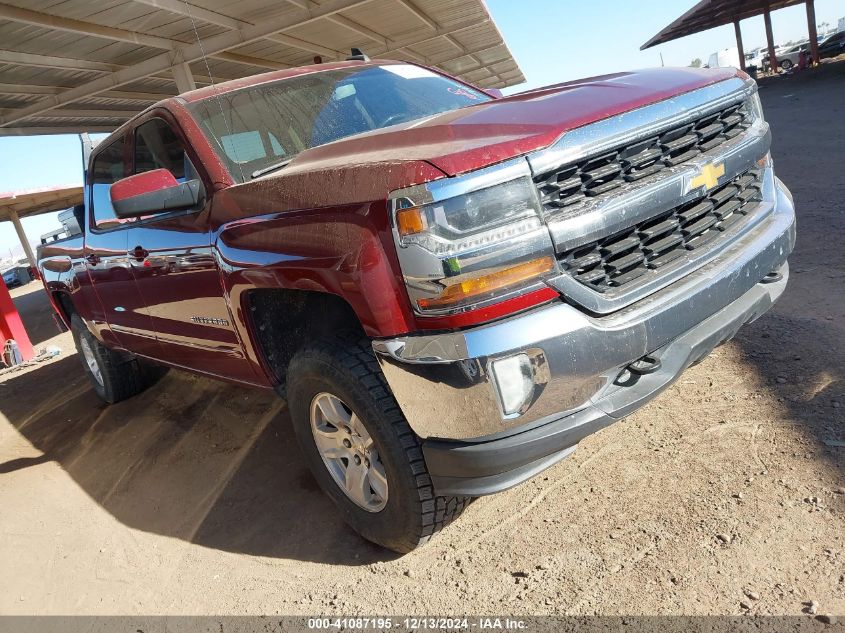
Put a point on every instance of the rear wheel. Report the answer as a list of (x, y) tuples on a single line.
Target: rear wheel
[(360, 448), (113, 375)]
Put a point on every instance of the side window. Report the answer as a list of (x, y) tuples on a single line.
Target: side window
[(108, 168), (157, 146)]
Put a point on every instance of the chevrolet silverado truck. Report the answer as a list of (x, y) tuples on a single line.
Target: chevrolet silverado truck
[(450, 288)]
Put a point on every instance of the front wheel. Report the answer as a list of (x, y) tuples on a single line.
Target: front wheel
[(114, 376), (360, 448), (786, 64)]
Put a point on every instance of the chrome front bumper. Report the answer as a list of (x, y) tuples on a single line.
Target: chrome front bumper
[(443, 381)]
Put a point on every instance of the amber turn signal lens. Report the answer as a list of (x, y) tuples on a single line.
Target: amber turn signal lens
[(488, 283), (410, 221)]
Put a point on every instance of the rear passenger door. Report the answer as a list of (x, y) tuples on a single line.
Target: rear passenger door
[(174, 267)]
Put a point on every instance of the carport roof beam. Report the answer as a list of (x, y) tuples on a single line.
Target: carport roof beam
[(186, 54), (708, 14)]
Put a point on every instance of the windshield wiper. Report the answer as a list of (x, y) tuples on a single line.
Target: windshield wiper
[(274, 167)]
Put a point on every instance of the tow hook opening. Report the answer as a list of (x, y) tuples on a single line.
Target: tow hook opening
[(772, 277), (632, 372)]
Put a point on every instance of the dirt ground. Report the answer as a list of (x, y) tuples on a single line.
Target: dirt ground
[(725, 495)]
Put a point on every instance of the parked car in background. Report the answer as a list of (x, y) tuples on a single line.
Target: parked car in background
[(450, 289), (754, 59), (788, 57), (17, 276), (832, 46)]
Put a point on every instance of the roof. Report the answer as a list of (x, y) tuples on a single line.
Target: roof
[(708, 14), (89, 66), (35, 201)]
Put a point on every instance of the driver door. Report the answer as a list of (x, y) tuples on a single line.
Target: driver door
[(174, 266)]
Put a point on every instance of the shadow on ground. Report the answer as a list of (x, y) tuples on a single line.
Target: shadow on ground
[(190, 458), (802, 340)]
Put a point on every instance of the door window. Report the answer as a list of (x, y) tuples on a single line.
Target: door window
[(157, 147), (108, 168)]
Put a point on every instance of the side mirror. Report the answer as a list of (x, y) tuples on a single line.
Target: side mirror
[(153, 192), (494, 92)]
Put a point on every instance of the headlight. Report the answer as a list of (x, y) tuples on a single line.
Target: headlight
[(755, 107), (465, 222), (469, 241)]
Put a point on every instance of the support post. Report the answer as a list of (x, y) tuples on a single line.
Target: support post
[(811, 28), (16, 221), (739, 47), (11, 326), (184, 78), (770, 40)]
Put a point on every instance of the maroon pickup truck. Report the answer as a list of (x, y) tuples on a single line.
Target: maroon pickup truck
[(450, 288)]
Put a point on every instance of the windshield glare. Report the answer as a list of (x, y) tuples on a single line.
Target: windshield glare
[(258, 127)]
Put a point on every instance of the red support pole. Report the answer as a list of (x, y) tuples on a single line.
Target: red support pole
[(11, 326)]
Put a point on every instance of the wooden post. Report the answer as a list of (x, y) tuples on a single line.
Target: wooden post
[(770, 40), (811, 28), (27, 249), (739, 48)]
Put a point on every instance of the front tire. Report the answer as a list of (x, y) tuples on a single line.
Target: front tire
[(114, 376), (360, 448), (786, 64)]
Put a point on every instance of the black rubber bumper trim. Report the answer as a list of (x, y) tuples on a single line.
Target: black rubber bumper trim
[(480, 467)]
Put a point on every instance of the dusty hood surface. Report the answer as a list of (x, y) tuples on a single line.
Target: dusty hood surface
[(478, 136)]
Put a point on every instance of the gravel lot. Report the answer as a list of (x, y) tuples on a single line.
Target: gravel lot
[(725, 495)]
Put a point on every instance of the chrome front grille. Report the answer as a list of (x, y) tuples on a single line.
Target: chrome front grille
[(645, 248), (595, 176)]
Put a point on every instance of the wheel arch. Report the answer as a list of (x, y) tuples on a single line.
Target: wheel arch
[(282, 321)]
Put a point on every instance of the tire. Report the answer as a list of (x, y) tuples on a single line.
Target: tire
[(786, 64), (346, 368), (113, 375)]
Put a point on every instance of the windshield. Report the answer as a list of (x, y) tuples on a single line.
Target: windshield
[(256, 128)]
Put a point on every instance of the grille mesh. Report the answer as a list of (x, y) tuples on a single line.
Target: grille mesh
[(597, 175), (648, 246)]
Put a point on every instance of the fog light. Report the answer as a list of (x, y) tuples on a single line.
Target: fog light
[(514, 381)]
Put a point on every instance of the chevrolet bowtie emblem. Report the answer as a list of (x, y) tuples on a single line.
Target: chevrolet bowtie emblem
[(709, 176)]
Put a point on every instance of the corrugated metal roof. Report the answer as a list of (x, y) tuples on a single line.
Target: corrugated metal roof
[(115, 55), (708, 14)]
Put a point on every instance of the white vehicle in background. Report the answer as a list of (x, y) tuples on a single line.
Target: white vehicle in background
[(788, 57), (727, 58), (754, 59)]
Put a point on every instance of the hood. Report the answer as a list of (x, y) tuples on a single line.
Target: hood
[(494, 131)]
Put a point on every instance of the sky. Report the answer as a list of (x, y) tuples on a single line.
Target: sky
[(552, 40)]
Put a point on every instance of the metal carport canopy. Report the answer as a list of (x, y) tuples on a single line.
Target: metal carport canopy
[(708, 14), (83, 66)]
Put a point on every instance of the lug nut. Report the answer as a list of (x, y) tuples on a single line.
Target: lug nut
[(367, 463), (347, 443), (357, 460)]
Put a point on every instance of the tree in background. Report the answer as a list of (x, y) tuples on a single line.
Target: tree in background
[(696, 63)]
